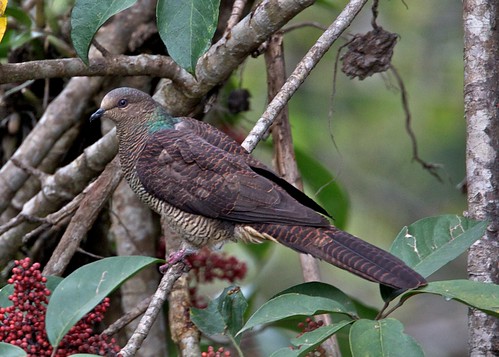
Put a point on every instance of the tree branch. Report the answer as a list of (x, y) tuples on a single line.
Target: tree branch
[(183, 332), (153, 310), (97, 194), (60, 115), (71, 103), (135, 231), (302, 71), (218, 63), (60, 188), (118, 65), (125, 320), (48, 165)]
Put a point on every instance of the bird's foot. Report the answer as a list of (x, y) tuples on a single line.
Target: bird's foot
[(178, 256)]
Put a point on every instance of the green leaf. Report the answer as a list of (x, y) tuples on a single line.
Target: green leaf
[(365, 311), (482, 296), (13, 39), (187, 27), (52, 283), (385, 337), (430, 243), (83, 289), (8, 350), (316, 288), (329, 193), (286, 352), (224, 315), (5, 292), (88, 16), (296, 303), (19, 14), (310, 340)]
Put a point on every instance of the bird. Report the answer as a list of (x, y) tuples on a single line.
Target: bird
[(211, 190)]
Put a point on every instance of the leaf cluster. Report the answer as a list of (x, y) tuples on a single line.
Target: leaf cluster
[(427, 245), (186, 27)]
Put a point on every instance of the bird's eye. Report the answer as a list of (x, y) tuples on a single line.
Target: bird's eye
[(122, 103)]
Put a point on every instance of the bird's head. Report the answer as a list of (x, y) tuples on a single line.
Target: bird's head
[(124, 105)]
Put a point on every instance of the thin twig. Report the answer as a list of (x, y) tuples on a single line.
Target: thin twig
[(374, 10), (87, 253), (315, 24), (333, 95), (235, 16), (430, 167), (124, 320), (40, 175), (154, 308), (302, 71), (12, 223), (101, 49)]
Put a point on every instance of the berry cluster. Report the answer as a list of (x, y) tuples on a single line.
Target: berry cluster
[(207, 266), (218, 353), (23, 323), (310, 325), (82, 339)]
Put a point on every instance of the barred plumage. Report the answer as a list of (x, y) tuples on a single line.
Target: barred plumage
[(211, 190)]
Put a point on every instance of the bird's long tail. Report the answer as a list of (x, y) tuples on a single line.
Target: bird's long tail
[(347, 252)]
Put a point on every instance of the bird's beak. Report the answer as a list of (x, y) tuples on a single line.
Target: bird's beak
[(97, 115)]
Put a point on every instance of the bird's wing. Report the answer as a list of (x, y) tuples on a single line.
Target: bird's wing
[(219, 139), (183, 169)]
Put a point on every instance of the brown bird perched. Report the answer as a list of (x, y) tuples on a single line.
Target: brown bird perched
[(211, 190)]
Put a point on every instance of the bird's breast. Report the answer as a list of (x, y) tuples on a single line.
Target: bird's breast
[(198, 231)]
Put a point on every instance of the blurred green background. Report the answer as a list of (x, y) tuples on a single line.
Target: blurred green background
[(372, 158)]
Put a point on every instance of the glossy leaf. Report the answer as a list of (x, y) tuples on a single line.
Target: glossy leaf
[(329, 193), (286, 352), (310, 340), (316, 288), (300, 301), (430, 243), (88, 16), (8, 350), (187, 27), (224, 315), (482, 296), (53, 282), (5, 292), (83, 289), (314, 338), (382, 338), (21, 16)]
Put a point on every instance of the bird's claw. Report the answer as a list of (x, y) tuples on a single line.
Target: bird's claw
[(175, 257)]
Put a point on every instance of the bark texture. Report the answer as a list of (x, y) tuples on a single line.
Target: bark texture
[(481, 89)]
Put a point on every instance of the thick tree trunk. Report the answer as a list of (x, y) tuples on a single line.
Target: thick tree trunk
[(481, 90)]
